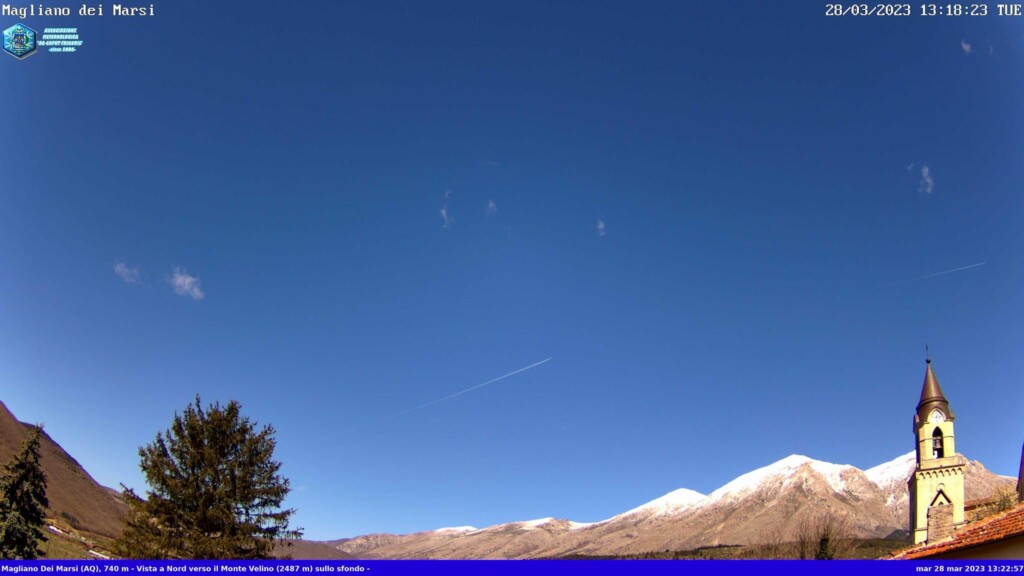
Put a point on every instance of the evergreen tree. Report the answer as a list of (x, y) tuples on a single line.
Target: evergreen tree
[(215, 491), (23, 503)]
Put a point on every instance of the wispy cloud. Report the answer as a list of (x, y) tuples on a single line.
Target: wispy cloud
[(492, 208), (600, 227), (966, 47), (124, 272), (910, 167), (446, 219), (934, 274), (185, 284), (491, 163), (927, 184)]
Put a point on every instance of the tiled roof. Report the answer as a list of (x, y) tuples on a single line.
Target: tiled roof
[(998, 527)]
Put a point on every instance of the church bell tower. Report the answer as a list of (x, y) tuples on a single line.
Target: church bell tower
[(937, 486)]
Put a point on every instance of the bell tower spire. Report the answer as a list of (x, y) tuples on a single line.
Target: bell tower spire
[(937, 487), (932, 398)]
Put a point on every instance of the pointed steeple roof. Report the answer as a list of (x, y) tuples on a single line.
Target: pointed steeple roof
[(931, 391), (931, 396)]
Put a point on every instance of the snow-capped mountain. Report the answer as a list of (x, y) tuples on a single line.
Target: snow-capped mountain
[(674, 502), (455, 530), (891, 477), (755, 506), (893, 472), (785, 468), (773, 499)]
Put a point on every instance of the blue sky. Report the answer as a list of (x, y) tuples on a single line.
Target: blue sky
[(713, 218)]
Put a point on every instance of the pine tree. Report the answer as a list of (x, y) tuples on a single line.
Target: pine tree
[(215, 491), (23, 503)]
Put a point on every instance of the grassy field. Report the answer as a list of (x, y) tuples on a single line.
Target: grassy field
[(72, 544)]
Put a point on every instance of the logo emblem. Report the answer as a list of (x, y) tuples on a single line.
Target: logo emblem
[(20, 41)]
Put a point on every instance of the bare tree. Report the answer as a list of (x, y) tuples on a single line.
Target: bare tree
[(772, 545), (825, 537)]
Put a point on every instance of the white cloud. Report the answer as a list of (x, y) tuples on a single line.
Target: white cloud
[(129, 275), (966, 47), (927, 184), (600, 227), (492, 208), (446, 219), (910, 167), (185, 284)]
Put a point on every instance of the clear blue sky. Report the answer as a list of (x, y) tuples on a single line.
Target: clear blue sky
[(754, 290)]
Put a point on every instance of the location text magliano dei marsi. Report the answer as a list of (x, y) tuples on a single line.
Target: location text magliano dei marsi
[(30, 10)]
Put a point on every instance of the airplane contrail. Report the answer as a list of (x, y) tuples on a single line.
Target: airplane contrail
[(940, 273), (461, 392)]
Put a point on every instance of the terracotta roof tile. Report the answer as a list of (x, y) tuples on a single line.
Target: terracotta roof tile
[(998, 527)]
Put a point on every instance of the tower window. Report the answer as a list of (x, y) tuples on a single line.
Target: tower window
[(937, 451)]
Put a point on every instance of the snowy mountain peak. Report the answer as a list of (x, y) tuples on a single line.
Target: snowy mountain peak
[(531, 524), (750, 481), (455, 529), (551, 523), (671, 503), (893, 471)]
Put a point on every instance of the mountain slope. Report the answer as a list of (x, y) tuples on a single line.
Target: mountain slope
[(750, 509), (74, 496)]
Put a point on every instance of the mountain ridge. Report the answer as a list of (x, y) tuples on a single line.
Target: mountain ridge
[(775, 497)]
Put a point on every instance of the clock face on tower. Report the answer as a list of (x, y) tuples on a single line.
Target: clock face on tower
[(936, 416)]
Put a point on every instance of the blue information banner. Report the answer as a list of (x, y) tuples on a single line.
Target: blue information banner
[(509, 567)]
